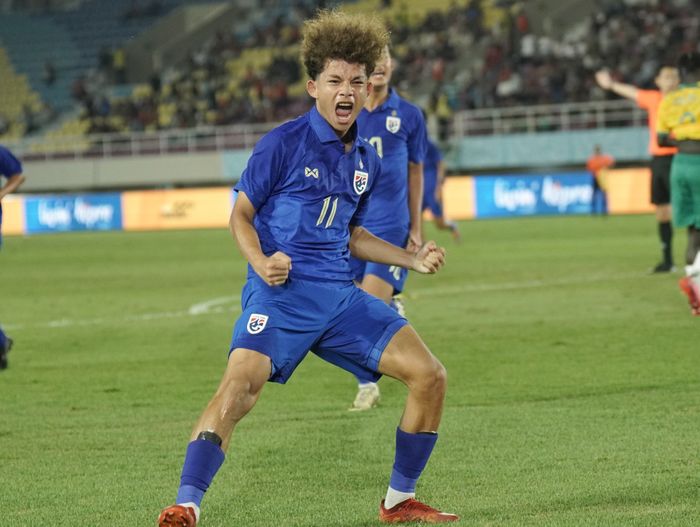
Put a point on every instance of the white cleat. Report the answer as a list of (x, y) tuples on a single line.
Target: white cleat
[(367, 397)]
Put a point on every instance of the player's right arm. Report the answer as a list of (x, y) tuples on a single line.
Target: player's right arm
[(605, 81), (13, 183), (273, 269)]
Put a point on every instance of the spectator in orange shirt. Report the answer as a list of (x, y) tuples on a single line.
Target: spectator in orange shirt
[(667, 80), (597, 164)]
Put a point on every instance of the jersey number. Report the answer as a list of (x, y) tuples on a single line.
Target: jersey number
[(376, 142), (324, 211)]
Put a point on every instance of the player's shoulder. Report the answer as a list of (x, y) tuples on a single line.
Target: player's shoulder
[(409, 108), (283, 136)]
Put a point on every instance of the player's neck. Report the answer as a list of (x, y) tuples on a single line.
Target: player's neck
[(377, 97)]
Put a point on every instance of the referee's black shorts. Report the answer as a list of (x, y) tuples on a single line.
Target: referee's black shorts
[(661, 179)]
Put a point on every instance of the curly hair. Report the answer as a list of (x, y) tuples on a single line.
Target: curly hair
[(333, 34)]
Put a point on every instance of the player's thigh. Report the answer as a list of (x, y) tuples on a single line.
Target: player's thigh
[(407, 358), (379, 286), (247, 368)]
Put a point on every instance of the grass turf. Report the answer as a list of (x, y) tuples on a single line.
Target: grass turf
[(574, 391)]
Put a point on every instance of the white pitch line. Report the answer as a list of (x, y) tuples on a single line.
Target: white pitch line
[(229, 304)]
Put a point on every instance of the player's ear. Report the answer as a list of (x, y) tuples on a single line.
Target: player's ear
[(311, 88), (369, 88)]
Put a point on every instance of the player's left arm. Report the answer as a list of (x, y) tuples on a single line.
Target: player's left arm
[(415, 205), (366, 246), (12, 184)]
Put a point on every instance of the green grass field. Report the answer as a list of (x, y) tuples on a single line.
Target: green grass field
[(574, 385)]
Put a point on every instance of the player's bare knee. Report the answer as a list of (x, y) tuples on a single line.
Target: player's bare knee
[(431, 380)]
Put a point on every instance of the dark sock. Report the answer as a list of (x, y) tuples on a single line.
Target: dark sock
[(666, 235)]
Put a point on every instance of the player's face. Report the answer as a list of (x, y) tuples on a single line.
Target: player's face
[(667, 80), (381, 76), (340, 91)]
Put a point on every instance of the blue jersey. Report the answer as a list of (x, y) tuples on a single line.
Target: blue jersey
[(397, 130), (9, 164), (307, 191), (430, 170)]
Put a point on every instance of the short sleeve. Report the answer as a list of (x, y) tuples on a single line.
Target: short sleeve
[(646, 98), (263, 171), (9, 164), (418, 139)]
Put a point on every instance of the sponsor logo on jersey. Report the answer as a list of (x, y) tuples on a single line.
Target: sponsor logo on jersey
[(359, 182), (393, 124), (311, 172), (256, 323)]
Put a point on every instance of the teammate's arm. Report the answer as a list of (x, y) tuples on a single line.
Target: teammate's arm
[(415, 205), (12, 184), (605, 81), (366, 246), (273, 269)]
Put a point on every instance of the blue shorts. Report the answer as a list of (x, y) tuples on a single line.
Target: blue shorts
[(429, 202), (391, 274), (337, 321)]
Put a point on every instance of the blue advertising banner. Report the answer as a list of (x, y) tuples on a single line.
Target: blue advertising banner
[(87, 212), (522, 195)]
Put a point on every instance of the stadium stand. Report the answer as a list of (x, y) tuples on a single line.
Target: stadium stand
[(454, 57)]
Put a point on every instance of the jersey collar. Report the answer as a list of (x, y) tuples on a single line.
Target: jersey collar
[(324, 131)]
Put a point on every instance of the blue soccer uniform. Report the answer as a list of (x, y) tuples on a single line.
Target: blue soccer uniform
[(396, 129), (433, 156), (307, 191), (9, 166)]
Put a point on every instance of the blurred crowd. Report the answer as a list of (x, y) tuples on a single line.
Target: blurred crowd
[(509, 62)]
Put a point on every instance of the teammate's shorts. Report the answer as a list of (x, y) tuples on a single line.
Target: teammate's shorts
[(391, 274), (661, 180), (337, 321), (429, 202), (685, 190)]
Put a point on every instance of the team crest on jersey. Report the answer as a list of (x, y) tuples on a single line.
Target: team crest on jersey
[(311, 172), (393, 123), (256, 323), (359, 182)]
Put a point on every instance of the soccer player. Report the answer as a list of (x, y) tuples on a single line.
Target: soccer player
[(667, 81), (679, 125), (396, 129), (433, 179), (11, 170), (597, 164), (301, 202)]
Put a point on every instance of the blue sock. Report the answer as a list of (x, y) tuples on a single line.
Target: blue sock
[(202, 461), (412, 454)]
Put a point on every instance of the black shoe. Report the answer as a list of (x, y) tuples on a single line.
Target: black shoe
[(3, 353), (664, 267)]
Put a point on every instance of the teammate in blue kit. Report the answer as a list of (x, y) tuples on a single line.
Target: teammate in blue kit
[(433, 178), (301, 201), (396, 129), (11, 170)]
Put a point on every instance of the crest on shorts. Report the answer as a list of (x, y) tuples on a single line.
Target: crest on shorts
[(359, 182), (256, 323), (393, 123)]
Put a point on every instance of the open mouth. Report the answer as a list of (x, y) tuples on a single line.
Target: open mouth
[(343, 109)]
